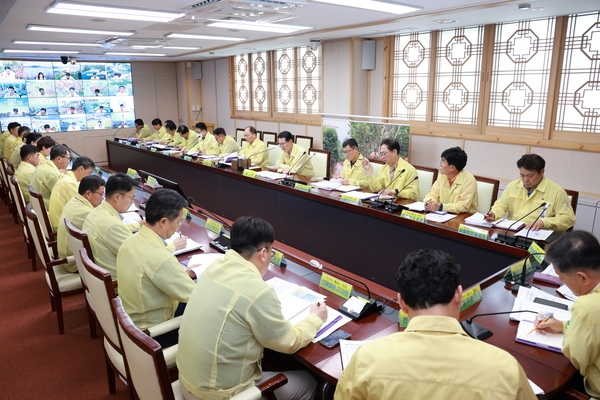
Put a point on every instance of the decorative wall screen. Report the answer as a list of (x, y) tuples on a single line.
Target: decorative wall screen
[(242, 83), (309, 80), (285, 81), (260, 81)]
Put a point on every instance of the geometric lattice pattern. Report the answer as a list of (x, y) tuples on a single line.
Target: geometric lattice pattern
[(285, 80), (309, 80), (242, 83), (260, 81)]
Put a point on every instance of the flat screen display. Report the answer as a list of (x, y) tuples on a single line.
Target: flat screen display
[(56, 97)]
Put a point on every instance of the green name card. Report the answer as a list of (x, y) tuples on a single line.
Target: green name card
[(186, 214), (132, 173), (214, 226), (414, 216), (208, 163), (402, 319), (277, 258), (98, 171), (249, 173), (335, 286), (516, 269), (153, 149), (470, 297), (139, 146), (350, 199), (165, 153), (475, 232), (151, 181), (304, 188), (536, 248), (187, 158)]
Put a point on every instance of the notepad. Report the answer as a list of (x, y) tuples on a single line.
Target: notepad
[(191, 245), (549, 341)]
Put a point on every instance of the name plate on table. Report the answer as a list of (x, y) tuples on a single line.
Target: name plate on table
[(537, 252), (475, 232), (350, 200), (249, 173), (214, 226), (208, 163), (187, 158), (402, 319), (414, 216), (151, 181), (277, 258), (132, 173), (186, 214), (471, 297), (138, 146), (98, 171), (165, 153), (335, 286), (516, 269), (301, 187), (153, 149)]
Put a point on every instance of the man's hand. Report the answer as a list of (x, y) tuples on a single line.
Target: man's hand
[(489, 217), (551, 325), (431, 205), (539, 224), (190, 272), (345, 181), (320, 310), (367, 166), (180, 242)]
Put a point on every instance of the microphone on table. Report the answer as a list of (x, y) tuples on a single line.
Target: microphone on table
[(378, 203), (370, 307), (522, 279), (527, 241), (114, 139), (190, 146), (512, 240), (249, 158), (208, 213), (393, 207), (287, 181), (479, 332), (222, 243)]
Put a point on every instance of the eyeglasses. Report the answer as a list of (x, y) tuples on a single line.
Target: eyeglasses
[(384, 153), (101, 194), (132, 198), (346, 152)]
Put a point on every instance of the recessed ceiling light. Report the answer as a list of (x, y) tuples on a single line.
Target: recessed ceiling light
[(382, 6), (111, 53), (203, 37), (256, 26), (181, 48), (40, 51), (444, 21), (98, 20), (524, 7), (537, 9), (44, 28), (89, 10), (55, 43)]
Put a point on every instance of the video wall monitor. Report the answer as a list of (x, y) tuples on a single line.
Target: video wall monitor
[(66, 97)]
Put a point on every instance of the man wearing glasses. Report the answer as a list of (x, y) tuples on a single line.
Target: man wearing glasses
[(104, 226), (152, 284), (353, 171), (46, 175), (294, 160)]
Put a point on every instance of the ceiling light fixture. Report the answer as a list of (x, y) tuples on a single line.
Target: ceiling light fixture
[(203, 37), (257, 26), (44, 28), (382, 6), (56, 43), (113, 53), (524, 7), (40, 51), (89, 10), (444, 21), (181, 48)]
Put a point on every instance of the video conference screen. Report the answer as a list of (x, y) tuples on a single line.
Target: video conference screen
[(57, 97)]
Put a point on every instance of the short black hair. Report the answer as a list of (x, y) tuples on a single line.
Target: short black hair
[(170, 125), (201, 126), (573, 251), (164, 203), (182, 129), (13, 125), (287, 135), (23, 130), (350, 142), (32, 137), (249, 234), (119, 183), (219, 131), (46, 142), (46, 126), (427, 277), (251, 129), (531, 162), (26, 150), (391, 144), (139, 121), (455, 156), (156, 121), (91, 183), (83, 161), (58, 150)]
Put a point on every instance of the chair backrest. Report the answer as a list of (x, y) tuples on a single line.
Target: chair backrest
[(573, 198), (100, 285), (487, 193), (4, 176), (274, 154), (79, 240), (144, 358), (304, 141), (37, 204), (269, 137), (426, 178), (321, 162), (376, 166), (239, 135), (41, 245), (17, 195)]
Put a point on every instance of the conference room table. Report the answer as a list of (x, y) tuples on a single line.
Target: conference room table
[(549, 370), (366, 242)]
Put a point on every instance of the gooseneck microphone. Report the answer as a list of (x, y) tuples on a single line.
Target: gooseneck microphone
[(208, 213), (479, 332), (115, 139), (523, 277), (377, 203), (287, 181), (514, 240), (190, 145)]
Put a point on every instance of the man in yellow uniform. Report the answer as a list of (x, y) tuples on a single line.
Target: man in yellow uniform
[(455, 189), (90, 195), (159, 130), (104, 226), (45, 144), (576, 259), (227, 144), (525, 195), (152, 282), (30, 158), (432, 346), (254, 148), (45, 177), (223, 358), (29, 138), (207, 144), (170, 131), (13, 140), (189, 139), (294, 159), (352, 171), (11, 129), (141, 130), (397, 178), (66, 187)]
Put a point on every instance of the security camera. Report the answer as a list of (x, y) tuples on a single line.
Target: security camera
[(64, 59), (73, 60), (314, 44)]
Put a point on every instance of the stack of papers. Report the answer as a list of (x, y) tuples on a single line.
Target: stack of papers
[(527, 334), (525, 301), (271, 175), (439, 217), (416, 206), (542, 234), (294, 298), (131, 216), (190, 245), (364, 195), (347, 350), (335, 184), (199, 262), (478, 219)]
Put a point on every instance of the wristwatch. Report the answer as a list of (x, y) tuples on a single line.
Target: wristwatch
[(396, 192), (441, 207)]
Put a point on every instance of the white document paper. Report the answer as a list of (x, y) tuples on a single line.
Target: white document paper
[(524, 301), (199, 262), (528, 335), (363, 195), (191, 245), (332, 315), (294, 299), (435, 217), (130, 217), (270, 175), (347, 350), (568, 293), (331, 184), (416, 206), (478, 219), (542, 234), (536, 389), (132, 208)]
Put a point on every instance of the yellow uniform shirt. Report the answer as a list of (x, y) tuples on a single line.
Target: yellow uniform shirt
[(77, 210), (43, 180), (3, 137), (208, 145), (66, 187), (107, 232), (23, 175), (297, 160), (166, 136), (189, 143), (9, 145), (144, 133), (219, 359), (461, 197), (355, 173), (151, 280), (15, 157), (157, 134), (383, 180), (229, 146), (432, 359), (514, 200), (251, 150), (176, 139), (581, 344)]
